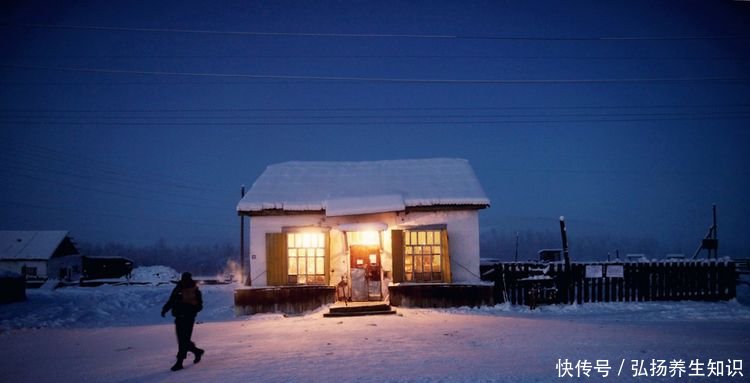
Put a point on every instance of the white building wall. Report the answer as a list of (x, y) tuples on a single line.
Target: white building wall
[(16, 266), (463, 235)]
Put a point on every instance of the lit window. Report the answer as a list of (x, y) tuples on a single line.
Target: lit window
[(422, 256), (306, 252)]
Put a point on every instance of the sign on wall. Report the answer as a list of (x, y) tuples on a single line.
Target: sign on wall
[(594, 271), (615, 271)]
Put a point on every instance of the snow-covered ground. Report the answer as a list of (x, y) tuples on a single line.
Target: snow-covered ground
[(115, 334)]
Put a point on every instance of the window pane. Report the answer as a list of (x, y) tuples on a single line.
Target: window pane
[(408, 260), (437, 237), (429, 238), (298, 240), (311, 266), (408, 250), (436, 250), (319, 265), (408, 268), (417, 249), (313, 240), (418, 264), (301, 279), (292, 269), (413, 237), (436, 263), (292, 279), (427, 264), (302, 265), (310, 253), (290, 240), (422, 238), (407, 238), (292, 253), (306, 240), (409, 276), (320, 253)]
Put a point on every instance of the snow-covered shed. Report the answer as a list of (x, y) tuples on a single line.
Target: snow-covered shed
[(29, 252), (370, 224)]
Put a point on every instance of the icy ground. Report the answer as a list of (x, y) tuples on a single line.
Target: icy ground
[(115, 334)]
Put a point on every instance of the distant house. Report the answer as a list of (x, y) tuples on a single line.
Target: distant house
[(29, 253), (376, 226)]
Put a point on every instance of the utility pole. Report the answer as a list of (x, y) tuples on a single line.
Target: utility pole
[(567, 274), (564, 234), (716, 236), (242, 240)]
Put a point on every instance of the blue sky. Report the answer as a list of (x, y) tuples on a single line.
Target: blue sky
[(133, 121)]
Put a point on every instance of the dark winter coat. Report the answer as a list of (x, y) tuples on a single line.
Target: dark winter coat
[(185, 301)]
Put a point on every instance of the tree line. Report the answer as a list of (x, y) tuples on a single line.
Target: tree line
[(501, 245), (204, 260)]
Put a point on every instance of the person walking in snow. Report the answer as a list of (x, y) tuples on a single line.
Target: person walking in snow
[(185, 302)]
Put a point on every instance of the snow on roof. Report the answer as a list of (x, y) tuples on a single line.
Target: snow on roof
[(30, 244), (347, 188)]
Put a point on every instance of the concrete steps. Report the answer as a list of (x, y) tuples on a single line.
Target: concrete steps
[(359, 309)]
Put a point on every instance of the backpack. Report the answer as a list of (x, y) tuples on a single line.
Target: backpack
[(190, 296)]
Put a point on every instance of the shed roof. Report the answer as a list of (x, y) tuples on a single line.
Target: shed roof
[(348, 188), (30, 244)]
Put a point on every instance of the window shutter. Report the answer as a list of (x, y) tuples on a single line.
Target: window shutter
[(397, 252), (327, 261), (276, 259), (445, 258)]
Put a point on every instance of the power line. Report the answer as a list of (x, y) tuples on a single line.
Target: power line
[(108, 192), (36, 118), (377, 123), (361, 109), (99, 213), (371, 35), (381, 56), (384, 79), (80, 160)]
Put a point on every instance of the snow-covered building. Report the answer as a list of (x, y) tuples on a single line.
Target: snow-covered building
[(372, 225), (29, 252)]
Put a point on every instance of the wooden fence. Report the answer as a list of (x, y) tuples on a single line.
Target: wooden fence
[(534, 282)]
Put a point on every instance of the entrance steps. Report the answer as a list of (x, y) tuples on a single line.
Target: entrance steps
[(352, 309)]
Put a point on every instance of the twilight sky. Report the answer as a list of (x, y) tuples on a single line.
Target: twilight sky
[(134, 121)]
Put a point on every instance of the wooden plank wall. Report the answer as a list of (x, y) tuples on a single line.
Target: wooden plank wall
[(658, 280)]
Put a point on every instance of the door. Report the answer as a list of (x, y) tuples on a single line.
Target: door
[(366, 273)]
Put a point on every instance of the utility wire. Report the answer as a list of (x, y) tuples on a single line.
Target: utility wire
[(100, 213), (106, 167), (379, 123), (371, 35), (372, 56), (36, 118), (384, 79), (365, 109), (108, 192)]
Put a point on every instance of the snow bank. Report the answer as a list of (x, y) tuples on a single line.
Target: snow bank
[(9, 274), (154, 274), (106, 305), (128, 305)]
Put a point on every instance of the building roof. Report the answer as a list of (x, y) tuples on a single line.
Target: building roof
[(30, 244), (348, 188)]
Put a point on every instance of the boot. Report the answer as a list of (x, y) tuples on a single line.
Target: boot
[(198, 355), (177, 365)]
